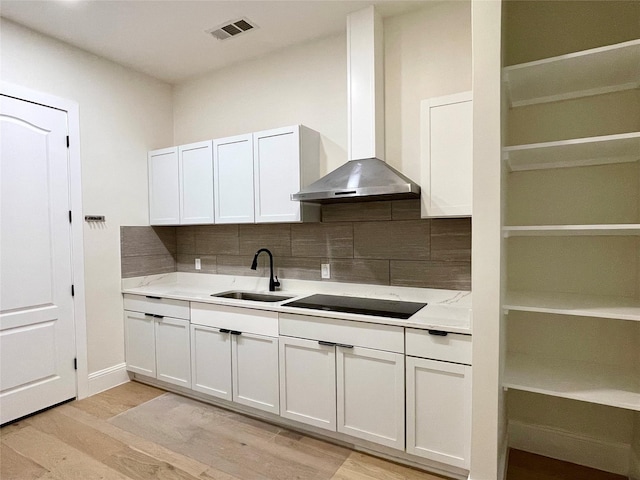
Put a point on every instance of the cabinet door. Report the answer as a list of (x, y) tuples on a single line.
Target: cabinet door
[(196, 183), (447, 141), (173, 357), (211, 361), (140, 343), (308, 382), (439, 411), (276, 168), (255, 371), (164, 195), (370, 388), (233, 179)]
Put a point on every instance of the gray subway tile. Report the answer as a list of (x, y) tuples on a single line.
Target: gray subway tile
[(136, 241), (375, 272), (186, 263), (425, 274), (451, 239), (356, 212), (147, 265), (241, 265), (186, 240), (216, 240), (274, 236), (331, 240), (397, 240), (405, 209)]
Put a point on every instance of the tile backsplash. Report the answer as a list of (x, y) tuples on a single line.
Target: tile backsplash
[(382, 243)]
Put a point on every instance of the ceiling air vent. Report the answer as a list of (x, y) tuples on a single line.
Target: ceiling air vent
[(232, 29)]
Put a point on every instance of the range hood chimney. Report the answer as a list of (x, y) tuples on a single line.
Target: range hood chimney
[(365, 176)]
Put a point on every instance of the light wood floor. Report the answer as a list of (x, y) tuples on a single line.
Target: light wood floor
[(107, 437)]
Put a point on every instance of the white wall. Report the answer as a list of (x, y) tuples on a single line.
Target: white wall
[(427, 53), (122, 115)]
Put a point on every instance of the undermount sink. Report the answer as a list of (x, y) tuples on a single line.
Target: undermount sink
[(252, 296)]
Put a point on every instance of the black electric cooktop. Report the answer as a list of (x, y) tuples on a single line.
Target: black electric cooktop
[(361, 306)]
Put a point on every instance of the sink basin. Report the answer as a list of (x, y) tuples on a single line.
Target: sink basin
[(251, 296)]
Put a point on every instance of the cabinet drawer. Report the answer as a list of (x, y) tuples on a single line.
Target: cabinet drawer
[(360, 334), (246, 320), (453, 347), (158, 306)]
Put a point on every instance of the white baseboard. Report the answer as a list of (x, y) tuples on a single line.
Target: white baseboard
[(562, 445), (108, 378)]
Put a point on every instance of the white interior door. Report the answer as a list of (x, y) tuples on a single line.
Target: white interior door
[(37, 337)]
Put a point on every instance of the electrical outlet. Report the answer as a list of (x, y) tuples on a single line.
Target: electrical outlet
[(198, 265), (325, 270)]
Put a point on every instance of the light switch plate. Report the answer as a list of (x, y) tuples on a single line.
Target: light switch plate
[(198, 265), (325, 270)]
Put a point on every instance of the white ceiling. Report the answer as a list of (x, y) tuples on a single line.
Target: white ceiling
[(166, 38)]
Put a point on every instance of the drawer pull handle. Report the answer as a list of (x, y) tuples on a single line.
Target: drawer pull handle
[(153, 298), (235, 332), (326, 344), (153, 315), (344, 345), (438, 333), (224, 330)]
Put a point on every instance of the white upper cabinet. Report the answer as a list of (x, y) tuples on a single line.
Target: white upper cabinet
[(284, 160), (181, 185), (164, 192), (196, 183), (233, 179), (446, 155)]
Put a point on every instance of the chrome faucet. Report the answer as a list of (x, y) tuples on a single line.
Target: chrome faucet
[(272, 283)]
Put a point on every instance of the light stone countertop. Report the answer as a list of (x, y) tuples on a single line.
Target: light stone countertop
[(447, 310)]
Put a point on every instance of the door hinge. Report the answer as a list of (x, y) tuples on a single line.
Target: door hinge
[(70, 217), (68, 143), (73, 291), (75, 363)]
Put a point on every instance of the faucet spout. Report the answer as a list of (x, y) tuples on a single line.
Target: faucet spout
[(273, 284)]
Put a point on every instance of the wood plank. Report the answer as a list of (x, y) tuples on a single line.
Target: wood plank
[(150, 448), (75, 434), (360, 466), (15, 466), (139, 466), (59, 458), (117, 400)]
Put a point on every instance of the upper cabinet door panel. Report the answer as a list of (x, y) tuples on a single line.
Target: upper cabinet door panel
[(196, 183), (277, 174), (164, 195), (446, 144), (233, 179)]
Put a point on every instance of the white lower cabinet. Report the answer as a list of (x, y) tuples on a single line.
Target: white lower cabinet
[(158, 347), (439, 397), (308, 382), (333, 382), (235, 355)]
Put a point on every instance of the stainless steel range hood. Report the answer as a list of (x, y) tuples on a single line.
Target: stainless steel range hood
[(365, 176), (359, 180)]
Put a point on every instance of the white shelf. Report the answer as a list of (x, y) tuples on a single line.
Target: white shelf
[(588, 382), (580, 74), (571, 230), (620, 308), (579, 152)]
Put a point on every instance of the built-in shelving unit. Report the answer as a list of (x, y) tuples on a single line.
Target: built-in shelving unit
[(601, 70), (584, 381), (579, 152), (570, 230), (553, 334), (620, 308)]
